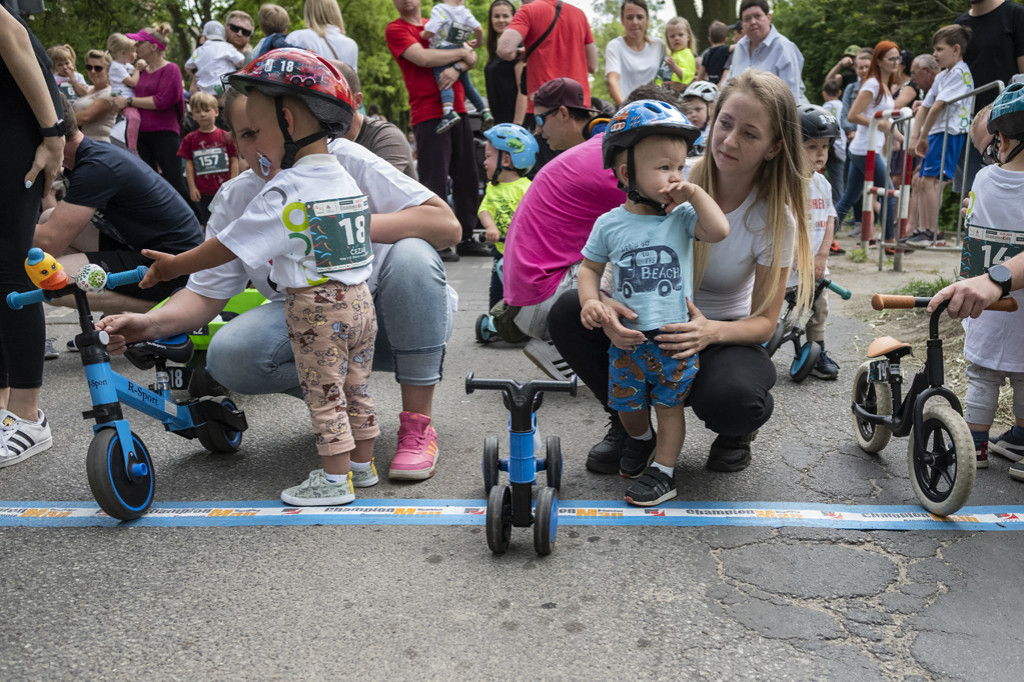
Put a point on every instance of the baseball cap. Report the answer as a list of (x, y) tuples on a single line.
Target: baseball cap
[(561, 92), (213, 30), (737, 26), (851, 50)]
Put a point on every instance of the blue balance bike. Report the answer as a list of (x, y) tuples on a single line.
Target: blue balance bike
[(511, 504), (119, 467), (791, 328)]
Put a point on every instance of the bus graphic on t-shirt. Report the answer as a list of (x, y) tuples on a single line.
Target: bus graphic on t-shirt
[(652, 268)]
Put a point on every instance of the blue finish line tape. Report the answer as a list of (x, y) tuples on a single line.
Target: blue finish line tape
[(408, 512)]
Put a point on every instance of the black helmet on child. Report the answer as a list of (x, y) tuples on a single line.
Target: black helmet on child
[(816, 123)]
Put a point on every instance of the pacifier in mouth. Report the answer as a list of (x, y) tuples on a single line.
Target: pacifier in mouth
[(265, 165)]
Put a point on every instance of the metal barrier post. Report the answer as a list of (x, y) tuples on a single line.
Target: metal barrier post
[(870, 191)]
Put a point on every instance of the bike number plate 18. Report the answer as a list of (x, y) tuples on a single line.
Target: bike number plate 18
[(340, 229), (179, 377), (985, 247)]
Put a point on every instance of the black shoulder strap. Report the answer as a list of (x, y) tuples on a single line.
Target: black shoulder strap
[(558, 10)]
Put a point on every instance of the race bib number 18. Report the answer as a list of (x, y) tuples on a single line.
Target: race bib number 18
[(340, 229)]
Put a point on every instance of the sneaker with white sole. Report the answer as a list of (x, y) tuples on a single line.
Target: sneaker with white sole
[(49, 351), (546, 356), (416, 456), (981, 454), (364, 478), (1007, 446), (20, 438), (317, 491), (652, 488)]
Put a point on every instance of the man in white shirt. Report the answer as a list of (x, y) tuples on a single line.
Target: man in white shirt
[(763, 47)]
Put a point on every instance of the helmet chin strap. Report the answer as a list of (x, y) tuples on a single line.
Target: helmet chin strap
[(1015, 151), (292, 147), (632, 193)]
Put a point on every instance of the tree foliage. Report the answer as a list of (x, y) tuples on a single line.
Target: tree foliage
[(822, 30)]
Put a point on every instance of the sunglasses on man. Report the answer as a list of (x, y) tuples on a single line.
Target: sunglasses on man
[(238, 29)]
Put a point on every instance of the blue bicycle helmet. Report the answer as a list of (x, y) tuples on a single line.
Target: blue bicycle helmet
[(518, 142), (633, 123), (1007, 116)]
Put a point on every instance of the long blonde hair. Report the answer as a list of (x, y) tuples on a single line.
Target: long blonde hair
[(319, 14), (782, 185)]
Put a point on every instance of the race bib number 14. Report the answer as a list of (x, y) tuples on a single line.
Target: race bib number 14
[(340, 229), (985, 247)]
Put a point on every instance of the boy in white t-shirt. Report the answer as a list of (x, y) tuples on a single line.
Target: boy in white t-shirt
[(313, 222), (935, 119), (994, 343), (450, 26), (213, 59), (830, 92), (820, 129)]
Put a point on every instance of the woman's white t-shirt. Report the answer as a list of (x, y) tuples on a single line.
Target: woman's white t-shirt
[(634, 68), (725, 291), (334, 44), (859, 146)]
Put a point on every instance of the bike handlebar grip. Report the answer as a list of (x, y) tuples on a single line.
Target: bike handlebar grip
[(1006, 305), (843, 293), (473, 384), (119, 279), (883, 301), (17, 300)]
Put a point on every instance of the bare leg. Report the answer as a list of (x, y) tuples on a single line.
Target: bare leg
[(636, 423), (23, 402), (671, 434), (414, 399), (928, 204)]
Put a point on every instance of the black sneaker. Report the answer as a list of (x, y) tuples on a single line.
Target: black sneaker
[(447, 122), (448, 255), (653, 487), (827, 368), (471, 247), (636, 456), (604, 457), (729, 454), (1016, 471)]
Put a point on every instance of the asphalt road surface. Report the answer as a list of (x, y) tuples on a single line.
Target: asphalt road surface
[(429, 602)]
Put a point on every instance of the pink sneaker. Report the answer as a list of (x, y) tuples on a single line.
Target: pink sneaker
[(417, 448)]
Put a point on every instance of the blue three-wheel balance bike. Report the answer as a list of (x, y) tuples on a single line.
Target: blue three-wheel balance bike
[(119, 467)]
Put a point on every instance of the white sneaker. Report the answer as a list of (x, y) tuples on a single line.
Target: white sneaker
[(546, 356), (20, 439), (364, 478)]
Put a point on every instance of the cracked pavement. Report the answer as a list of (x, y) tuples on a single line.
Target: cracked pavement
[(431, 602)]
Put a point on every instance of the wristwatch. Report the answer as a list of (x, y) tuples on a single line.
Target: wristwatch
[(58, 130), (457, 66), (1001, 275)]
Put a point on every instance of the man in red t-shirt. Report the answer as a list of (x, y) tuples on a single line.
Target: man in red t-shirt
[(568, 50), (449, 153)]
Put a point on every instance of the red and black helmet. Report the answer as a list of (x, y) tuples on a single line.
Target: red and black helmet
[(303, 74)]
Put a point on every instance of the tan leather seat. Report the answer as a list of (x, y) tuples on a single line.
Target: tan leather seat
[(886, 344)]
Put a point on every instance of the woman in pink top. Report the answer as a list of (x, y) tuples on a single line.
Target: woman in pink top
[(160, 99)]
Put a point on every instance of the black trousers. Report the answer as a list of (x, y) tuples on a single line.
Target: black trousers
[(449, 154), (22, 332), (159, 149), (732, 391)]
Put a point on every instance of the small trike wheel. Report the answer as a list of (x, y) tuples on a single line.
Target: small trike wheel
[(772, 344), (545, 520), (121, 496), (876, 398), (553, 462), (216, 436), (806, 360), (491, 465), (483, 330), (499, 518), (942, 474)]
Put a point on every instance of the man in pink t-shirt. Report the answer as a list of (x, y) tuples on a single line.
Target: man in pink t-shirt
[(568, 50), (552, 222)]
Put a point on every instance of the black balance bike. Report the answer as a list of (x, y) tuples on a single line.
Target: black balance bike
[(940, 453), (791, 328)]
